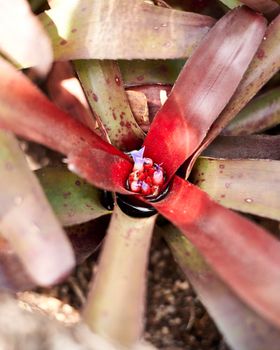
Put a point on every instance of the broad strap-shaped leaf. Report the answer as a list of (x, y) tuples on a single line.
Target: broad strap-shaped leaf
[(242, 328), (139, 72), (28, 113), (22, 37), (116, 303), (27, 221), (73, 200), (103, 86), (251, 186), (87, 238), (65, 90), (264, 65), (245, 256), (13, 276), (245, 147), (121, 29), (260, 114), (204, 87), (231, 3), (268, 7)]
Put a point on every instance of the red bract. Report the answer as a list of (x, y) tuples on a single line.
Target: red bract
[(233, 246)]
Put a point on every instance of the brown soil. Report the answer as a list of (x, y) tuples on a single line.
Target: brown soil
[(176, 320)]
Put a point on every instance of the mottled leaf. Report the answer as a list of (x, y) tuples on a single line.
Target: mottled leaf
[(84, 29), (22, 37), (242, 328), (245, 147), (73, 200), (139, 72), (250, 186), (260, 114), (102, 83), (203, 88), (245, 256), (27, 221), (117, 297), (264, 65), (28, 113)]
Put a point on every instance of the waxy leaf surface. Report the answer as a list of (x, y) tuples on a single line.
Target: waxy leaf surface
[(28, 113), (27, 221), (138, 72), (251, 186), (22, 37), (73, 200), (121, 29), (264, 65), (242, 328), (204, 87), (117, 297), (260, 114), (245, 147), (102, 83), (245, 256)]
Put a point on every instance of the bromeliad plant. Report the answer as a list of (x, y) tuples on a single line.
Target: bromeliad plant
[(215, 83)]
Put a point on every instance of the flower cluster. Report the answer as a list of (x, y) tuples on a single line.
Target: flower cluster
[(147, 177)]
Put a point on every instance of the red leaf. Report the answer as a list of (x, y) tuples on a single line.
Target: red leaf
[(204, 87), (245, 256), (28, 113)]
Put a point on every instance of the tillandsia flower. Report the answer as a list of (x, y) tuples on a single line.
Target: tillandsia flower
[(233, 246), (147, 177)]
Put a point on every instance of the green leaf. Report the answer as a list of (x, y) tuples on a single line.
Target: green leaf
[(231, 3), (260, 114), (116, 303), (139, 72), (250, 186), (121, 29), (73, 200), (265, 64), (27, 221), (242, 328), (102, 84)]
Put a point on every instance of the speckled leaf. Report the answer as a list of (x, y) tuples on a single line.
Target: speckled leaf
[(102, 84), (27, 221), (73, 200), (245, 147), (260, 114), (242, 328), (245, 256), (251, 186), (117, 297), (121, 29), (204, 87), (22, 37), (139, 72), (268, 7), (264, 65), (28, 113)]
